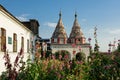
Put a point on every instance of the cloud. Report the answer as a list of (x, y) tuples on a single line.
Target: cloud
[(50, 24), (89, 31), (115, 31), (23, 17), (84, 20)]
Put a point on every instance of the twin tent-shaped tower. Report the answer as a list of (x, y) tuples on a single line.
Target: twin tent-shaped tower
[(75, 43), (60, 36)]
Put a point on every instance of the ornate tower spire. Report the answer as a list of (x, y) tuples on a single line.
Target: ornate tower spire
[(59, 36), (60, 19), (76, 35)]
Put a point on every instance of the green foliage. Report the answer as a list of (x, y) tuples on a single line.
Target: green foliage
[(80, 56), (118, 48), (101, 67), (104, 67), (96, 48), (63, 53)]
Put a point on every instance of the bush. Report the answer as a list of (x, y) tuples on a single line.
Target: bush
[(80, 56), (101, 67)]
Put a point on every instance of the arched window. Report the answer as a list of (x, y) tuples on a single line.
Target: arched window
[(3, 39), (72, 40), (22, 42), (61, 41), (28, 45), (55, 40), (14, 42)]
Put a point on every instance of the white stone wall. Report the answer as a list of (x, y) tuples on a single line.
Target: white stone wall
[(70, 49), (11, 27)]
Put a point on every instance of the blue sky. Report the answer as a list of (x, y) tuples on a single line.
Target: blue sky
[(105, 14)]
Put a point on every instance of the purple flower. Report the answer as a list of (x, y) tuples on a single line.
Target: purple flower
[(79, 62), (107, 67), (53, 56), (60, 56)]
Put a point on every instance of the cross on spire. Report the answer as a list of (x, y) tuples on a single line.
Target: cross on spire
[(75, 14), (60, 14)]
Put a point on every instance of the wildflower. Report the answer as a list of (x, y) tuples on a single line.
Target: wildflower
[(60, 56), (58, 75), (68, 66), (90, 47), (16, 61), (74, 52), (66, 56), (60, 67), (21, 52), (89, 39), (73, 45), (79, 62), (70, 62), (113, 57), (8, 65), (53, 56), (107, 67), (79, 47), (115, 63), (4, 48)]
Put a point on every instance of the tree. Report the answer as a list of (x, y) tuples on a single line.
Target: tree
[(118, 48), (80, 56)]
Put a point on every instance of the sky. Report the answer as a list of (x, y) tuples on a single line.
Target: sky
[(103, 14)]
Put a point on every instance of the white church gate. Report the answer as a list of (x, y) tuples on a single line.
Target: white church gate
[(72, 50)]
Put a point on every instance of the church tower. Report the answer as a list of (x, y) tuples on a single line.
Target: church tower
[(76, 35), (59, 35)]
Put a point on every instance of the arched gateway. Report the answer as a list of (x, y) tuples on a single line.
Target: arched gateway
[(72, 50), (74, 44)]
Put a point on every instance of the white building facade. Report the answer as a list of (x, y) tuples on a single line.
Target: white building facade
[(74, 44), (14, 35)]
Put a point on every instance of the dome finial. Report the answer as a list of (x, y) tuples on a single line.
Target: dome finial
[(75, 14), (60, 14)]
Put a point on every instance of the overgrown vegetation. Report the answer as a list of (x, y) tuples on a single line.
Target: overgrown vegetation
[(57, 67)]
